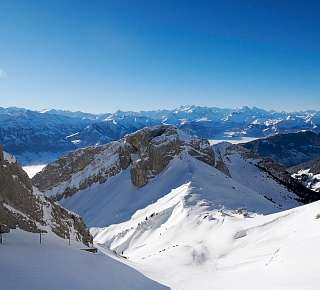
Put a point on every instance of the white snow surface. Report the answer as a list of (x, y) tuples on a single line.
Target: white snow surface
[(26, 265), (118, 199), (190, 246), (32, 170), (244, 170), (232, 140)]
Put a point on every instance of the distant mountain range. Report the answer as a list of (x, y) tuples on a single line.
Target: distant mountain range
[(35, 136)]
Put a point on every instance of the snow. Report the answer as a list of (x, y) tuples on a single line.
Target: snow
[(118, 199), (25, 265), (32, 170), (72, 135), (185, 246), (244, 170), (233, 140)]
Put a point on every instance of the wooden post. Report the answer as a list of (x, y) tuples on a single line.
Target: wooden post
[(69, 239), (40, 238)]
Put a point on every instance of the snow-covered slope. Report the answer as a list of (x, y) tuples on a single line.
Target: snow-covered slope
[(246, 168), (118, 199), (107, 184), (26, 265), (185, 244)]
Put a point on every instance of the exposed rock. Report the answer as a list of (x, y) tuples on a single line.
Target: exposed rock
[(156, 147), (21, 208), (308, 173), (147, 152)]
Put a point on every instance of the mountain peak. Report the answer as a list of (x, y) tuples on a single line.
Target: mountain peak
[(145, 153)]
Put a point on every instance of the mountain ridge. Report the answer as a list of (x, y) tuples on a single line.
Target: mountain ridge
[(32, 135)]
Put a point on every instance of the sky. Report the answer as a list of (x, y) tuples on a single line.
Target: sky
[(101, 56)]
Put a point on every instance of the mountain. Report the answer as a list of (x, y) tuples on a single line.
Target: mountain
[(187, 214), (32, 136), (263, 175), (109, 183), (51, 262), (21, 207), (288, 149), (308, 173), (40, 137), (183, 243)]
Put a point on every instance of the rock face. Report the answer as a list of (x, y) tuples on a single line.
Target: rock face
[(155, 148), (21, 208), (147, 152), (308, 173)]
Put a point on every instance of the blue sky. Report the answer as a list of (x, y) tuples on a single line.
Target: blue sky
[(100, 56)]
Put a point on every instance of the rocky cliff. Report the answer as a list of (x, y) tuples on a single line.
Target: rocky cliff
[(21, 207), (146, 153)]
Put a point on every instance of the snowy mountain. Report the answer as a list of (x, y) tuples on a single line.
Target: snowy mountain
[(264, 176), (40, 137), (108, 184), (56, 260), (181, 242), (180, 211)]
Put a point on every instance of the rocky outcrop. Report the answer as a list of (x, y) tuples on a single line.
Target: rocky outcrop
[(155, 147), (21, 208), (146, 152)]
